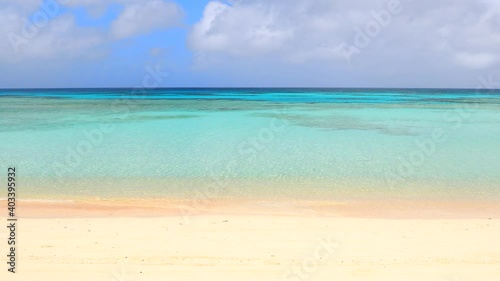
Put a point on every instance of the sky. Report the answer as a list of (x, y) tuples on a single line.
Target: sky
[(249, 43)]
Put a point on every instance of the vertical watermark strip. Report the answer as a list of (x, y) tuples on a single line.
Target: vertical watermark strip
[(11, 220)]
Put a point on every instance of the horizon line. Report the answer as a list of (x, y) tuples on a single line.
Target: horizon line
[(224, 88)]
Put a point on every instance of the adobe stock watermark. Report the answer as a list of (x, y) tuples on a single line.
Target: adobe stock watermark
[(249, 148), (84, 148), (305, 269), (152, 80), (49, 9), (364, 36), (95, 137), (425, 148)]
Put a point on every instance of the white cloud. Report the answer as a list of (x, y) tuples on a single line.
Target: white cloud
[(34, 29), (143, 18), (49, 36), (476, 61), (241, 30), (423, 36), (296, 30)]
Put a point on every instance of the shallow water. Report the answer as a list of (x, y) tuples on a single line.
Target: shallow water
[(271, 142)]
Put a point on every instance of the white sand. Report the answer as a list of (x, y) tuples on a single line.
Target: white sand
[(240, 247)]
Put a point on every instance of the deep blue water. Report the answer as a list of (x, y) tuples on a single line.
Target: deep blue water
[(287, 95)]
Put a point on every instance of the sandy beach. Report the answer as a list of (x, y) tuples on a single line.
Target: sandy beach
[(252, 140), (109, 242)]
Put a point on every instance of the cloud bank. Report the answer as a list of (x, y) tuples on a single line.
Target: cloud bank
[(141, 18), (376, 39), (41, 29)]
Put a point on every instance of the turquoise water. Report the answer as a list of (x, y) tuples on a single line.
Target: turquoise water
[(271, 142)]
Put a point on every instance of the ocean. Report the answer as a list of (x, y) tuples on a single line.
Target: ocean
[(263, 143)]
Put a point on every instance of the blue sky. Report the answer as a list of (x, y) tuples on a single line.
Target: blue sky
[(254, 43)]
